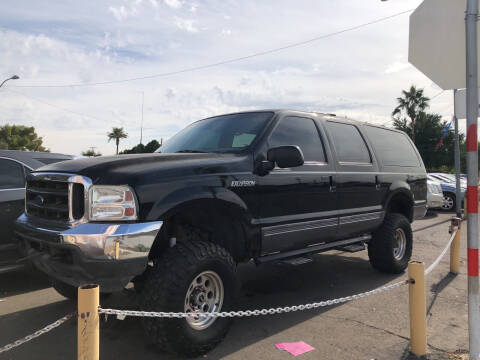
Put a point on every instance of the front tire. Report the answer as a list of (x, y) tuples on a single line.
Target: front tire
[(390, 249), (190, 277)]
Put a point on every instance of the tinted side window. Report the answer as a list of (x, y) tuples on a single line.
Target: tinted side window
[(349, 144), (11, 175), (391, 147), (302, 132)]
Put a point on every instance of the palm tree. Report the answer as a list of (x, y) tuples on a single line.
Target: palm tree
[(412, 102), (117, 134)]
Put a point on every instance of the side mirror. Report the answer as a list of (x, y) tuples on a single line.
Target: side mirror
[(286, 156)]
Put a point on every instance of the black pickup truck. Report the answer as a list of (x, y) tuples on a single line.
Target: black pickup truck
[(265, 185)]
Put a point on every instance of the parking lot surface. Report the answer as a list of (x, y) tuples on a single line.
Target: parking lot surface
[(375, 327)]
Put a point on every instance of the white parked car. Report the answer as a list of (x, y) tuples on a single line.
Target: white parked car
[(434, 195)]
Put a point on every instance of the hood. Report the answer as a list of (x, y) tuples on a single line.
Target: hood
[(451, 187), (129, 169)]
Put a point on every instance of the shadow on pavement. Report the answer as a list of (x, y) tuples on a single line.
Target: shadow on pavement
[(431, 214), (434, 353), (330, 275), (431, 225), (24, 281)]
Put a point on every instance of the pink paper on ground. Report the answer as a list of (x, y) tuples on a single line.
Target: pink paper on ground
[(295, 348)]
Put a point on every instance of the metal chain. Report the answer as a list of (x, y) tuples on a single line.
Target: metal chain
[(442, 254), (37, 333), (121, 314), (279, 310)]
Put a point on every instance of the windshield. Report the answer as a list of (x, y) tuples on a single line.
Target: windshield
[(442, 178), (226, 133)]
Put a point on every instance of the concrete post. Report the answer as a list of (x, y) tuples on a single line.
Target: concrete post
[(418, 308), (88, 328), (455, 247)]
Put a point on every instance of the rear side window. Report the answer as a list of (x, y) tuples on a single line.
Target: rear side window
[(11, 175), (349, 144), (294, 130), (391, 147)]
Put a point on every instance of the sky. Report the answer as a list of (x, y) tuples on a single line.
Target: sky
[(50, 44)]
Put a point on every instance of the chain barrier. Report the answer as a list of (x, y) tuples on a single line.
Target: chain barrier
[(121, 314), (37, 333), (279, 310), (442, 254)]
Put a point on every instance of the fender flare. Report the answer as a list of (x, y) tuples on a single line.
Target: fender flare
[(403, 191), (166, 206)]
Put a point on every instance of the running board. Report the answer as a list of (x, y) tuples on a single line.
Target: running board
[(12, 267), (296, 261), (352, 247), (311, 249)]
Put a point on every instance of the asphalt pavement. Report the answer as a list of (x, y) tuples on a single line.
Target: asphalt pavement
[(375, 327)]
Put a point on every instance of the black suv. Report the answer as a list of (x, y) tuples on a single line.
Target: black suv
[(14, 166), (263, 185)]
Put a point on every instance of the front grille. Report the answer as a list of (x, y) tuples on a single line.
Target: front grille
[(49, 200)]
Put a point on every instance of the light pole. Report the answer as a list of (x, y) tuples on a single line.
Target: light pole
[(14, 77), (141, 123)]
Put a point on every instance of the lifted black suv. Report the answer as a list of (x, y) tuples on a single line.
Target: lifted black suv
[(264, 185)]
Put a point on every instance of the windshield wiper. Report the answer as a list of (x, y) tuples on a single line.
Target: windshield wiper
[(191, 151)]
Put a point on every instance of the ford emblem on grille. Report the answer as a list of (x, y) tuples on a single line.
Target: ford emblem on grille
[(39, 200)]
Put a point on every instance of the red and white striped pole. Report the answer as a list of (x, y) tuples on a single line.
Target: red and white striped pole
[(472, 178)]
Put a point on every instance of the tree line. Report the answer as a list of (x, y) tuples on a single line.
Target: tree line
[(426, 130)]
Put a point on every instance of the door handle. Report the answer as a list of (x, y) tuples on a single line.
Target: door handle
[(333, 187)]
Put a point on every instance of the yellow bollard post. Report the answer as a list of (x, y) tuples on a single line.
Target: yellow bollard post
[(88, 328), (455, 247), (418, 308)]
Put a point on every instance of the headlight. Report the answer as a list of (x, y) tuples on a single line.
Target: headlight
[(112, 203)]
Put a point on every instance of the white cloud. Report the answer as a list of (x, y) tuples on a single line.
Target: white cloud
[(193, 7), (358, 74), (186, 24), (176, 4), (396, 66), (120, 13)]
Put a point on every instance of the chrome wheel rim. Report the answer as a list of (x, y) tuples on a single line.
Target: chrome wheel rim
[(399, 244), (205, 294), (447, 203)]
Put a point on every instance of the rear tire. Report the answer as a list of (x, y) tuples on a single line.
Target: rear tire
[(390, 249), (178, 283)]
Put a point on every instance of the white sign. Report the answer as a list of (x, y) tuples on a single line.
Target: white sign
[(437, 42), (461, 103)]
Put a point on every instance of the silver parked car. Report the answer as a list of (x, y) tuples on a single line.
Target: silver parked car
[(449, 189), (434, 195)]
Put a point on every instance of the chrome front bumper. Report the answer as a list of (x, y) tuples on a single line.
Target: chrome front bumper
[(110, 255), (113, 241), (103, 241)]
